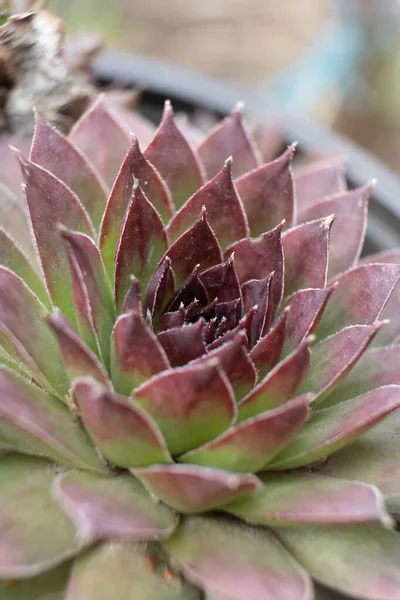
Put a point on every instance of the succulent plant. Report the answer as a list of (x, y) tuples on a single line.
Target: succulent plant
[(192, 359)]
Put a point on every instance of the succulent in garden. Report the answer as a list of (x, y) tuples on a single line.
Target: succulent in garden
[(186, 391)]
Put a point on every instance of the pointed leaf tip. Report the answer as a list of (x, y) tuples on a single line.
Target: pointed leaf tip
[(224, 209), (172, 156)]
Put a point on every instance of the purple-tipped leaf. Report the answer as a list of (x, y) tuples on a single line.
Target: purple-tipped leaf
[(249, 446), (330, 429), (334, 356), (230, 560), (107, 508), (197, 246), (222, 282), (236, 363), (267, 351), (183, 344), (194, 489), (160, 289), (56, 153), (306, 252), (191, 405), (390, 334), (256, 259), (224, 210), (141, 245), (376, 367), (102, 139), (306, 308), (348, 230), (317, 180), (51, 203), (279, 385), (267, 194), (229, 138), (175, 160), (123, 433), (295, 498), (359, 297), (257, 292), (132, 300), (134, 166), (136, 355)]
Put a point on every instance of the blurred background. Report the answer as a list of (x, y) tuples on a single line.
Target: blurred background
[(334, 61)]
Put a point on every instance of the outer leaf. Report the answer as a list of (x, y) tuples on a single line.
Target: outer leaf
[(28, 545), (56, 153), (391, 333), (51, 583), (295, 498), (359, 297), (136, 354), (94, 306), (174, 159), (127, 571), (183, 344), (50, 203), (359, 560), (229, 138), (330, 429), (112, 141), (256, 259), (33, 422), (372, 459), (373, 369), (134, 166), (224, 209), (305, 311), (14, 220), (267, 351), (306, 250), (267, 194), (248, 447), (122, 432), (191, 405), (78, 359), (235, 562), (197, 246), (279, 385), (12, 257), (141, 245), (193, 489), (348, 231), (104, 508), (334, 356), (319, 179), (31, 342)]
